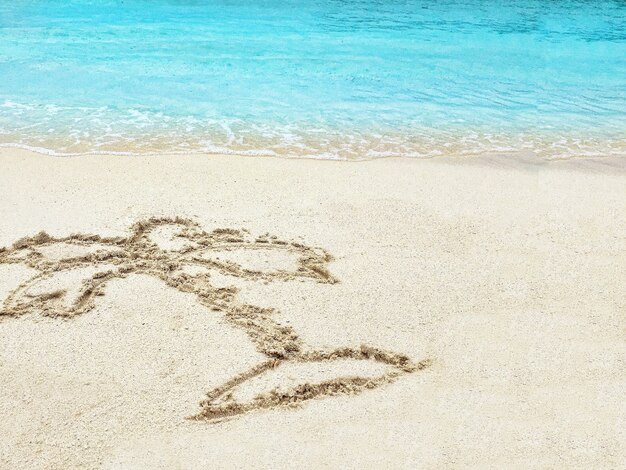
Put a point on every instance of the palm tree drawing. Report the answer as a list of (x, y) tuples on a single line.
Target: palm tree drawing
[(69, 283)]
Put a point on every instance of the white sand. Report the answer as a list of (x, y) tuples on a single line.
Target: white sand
[(511, 278)]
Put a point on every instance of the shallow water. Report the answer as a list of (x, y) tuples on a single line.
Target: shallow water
[(326, 79)]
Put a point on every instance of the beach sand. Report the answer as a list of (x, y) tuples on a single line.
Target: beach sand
[(504, 282)]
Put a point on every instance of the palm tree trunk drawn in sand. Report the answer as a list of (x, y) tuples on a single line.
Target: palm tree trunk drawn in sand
[(73, 272)]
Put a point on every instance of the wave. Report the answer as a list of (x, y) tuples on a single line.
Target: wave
[(337, 146)]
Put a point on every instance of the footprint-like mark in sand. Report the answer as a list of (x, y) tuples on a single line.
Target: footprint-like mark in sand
[(73, 271)]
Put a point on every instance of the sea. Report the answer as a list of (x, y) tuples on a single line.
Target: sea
[(331, 79)]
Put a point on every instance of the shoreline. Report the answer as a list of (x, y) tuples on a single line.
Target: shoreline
[(608, 165)]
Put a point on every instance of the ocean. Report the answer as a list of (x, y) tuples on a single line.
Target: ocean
[(315, 78)]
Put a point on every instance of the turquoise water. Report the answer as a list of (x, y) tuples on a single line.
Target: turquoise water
[(318, 78)]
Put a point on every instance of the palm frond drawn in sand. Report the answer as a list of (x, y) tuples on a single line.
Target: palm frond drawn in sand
[(73, 271)]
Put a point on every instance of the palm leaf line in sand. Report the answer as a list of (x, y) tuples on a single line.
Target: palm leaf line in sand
[(138, 254)]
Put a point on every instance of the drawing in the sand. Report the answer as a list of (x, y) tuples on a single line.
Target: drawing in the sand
[(73, 271)]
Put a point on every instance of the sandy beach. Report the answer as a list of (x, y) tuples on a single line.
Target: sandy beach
[(480, 307)]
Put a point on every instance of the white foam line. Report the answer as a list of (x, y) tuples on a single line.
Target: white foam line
[(371, 155), (245, 153), (54, 153)]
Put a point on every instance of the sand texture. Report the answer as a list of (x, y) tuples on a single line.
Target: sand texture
[(169, 312)]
